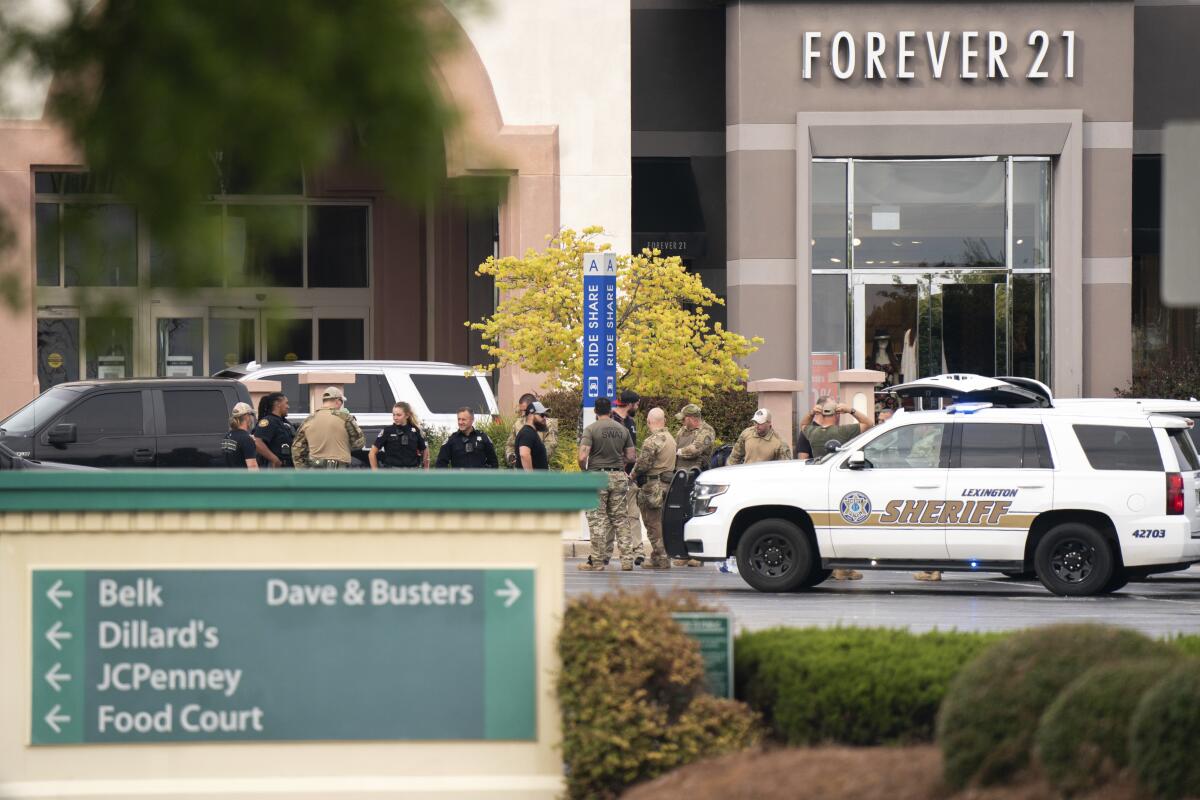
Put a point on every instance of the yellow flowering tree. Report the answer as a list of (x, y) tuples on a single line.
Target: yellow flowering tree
[(665, 341)]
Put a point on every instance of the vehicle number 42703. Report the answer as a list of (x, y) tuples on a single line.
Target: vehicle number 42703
[(1150, 533)]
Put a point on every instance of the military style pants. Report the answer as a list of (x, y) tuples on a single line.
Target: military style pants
[(635, 528), (610, 521), (650, 500)]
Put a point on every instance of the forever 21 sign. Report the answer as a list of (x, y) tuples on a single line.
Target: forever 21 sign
[(982, 54)]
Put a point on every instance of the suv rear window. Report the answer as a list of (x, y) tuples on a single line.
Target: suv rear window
[(446, 394), (1002, 446), (1185, 452), (1113, 447)]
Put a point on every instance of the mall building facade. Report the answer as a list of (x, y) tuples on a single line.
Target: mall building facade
[(920, 187), (905, 186)]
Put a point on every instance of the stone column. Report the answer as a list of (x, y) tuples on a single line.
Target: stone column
[(856, 388)]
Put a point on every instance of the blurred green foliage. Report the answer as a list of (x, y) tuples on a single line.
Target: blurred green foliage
[(177, 101)]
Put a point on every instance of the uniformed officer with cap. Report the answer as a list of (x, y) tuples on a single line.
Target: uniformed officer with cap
[(549, 436), (694, 445), (467, 447), (238, 444), (624, 412), (329, 437), (759, 442), (652, 472), (273, 436)]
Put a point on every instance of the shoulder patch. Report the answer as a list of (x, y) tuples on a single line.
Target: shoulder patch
[(263, 423)]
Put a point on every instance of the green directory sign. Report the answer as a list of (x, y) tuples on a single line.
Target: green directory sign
[(714, 633), (283, 654)]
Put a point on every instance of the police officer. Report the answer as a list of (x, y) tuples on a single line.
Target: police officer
[(694, 446), (606, 446), (273, 436), (238, 444), (329, 437), (401, 444), (625, 413), (652, 473), (467, 448), (759, 442)]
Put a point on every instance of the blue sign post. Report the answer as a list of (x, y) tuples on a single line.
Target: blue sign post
[(599, 329)]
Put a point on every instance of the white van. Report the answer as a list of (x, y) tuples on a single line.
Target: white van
[(434, 390)]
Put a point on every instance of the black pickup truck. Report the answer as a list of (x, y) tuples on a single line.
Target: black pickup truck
[(151, 422)]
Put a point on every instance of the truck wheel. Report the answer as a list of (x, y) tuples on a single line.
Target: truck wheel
[(815, 577), (774, 555), (1120, 577), (1020, 576), (1074, 560)]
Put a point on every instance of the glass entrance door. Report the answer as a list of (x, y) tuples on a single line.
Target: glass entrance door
[(911, 326)]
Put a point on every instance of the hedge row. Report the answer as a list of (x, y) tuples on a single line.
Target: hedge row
[(864, 686)]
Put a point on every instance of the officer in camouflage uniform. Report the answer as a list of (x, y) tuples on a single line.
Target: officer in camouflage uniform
[(652, 473), (759, 442), (606, 446), (328, 438), (694, 440)]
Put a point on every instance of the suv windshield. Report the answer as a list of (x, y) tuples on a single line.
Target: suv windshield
[(40, 411)]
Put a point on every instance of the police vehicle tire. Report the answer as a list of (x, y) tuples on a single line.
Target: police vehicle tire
[(774, 555), (1119, 579), (1020, 576), (815, 577), (1074, 560)]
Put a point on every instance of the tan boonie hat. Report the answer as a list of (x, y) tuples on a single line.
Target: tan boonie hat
[(241, 410), (333, 393), (761, 416), (690, 410)]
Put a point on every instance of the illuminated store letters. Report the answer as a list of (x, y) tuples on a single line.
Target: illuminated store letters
[(974, 46)]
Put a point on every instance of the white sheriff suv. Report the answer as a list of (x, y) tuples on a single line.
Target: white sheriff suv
[(1084, 495)]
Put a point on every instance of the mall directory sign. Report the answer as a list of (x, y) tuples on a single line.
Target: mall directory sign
[(282, 654)]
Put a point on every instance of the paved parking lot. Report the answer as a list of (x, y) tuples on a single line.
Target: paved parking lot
[(1158, 606)]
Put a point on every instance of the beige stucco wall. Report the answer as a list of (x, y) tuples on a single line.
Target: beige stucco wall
[(765, 91), (327, 540)]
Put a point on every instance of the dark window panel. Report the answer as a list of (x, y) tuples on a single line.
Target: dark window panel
[(100, 244), (341, 339), (289, 339), (46, 231), (445, 394), (337, 247), (104, 415), (263, 245), (194, 411), (1110, 447), (109, 347), (57, 351), (992, 447), (369, 394)]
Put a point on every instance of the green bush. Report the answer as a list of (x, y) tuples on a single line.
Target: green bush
[(987, 721), (1083, 739), (1188, 645), (632, 695), (1175, 379), (1164, 734), (850, 685)]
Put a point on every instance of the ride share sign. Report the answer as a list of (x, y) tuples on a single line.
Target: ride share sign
[(599, 327), (282, 654)]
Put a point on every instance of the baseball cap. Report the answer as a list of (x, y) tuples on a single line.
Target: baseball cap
[(242, 409), (333, 393), (828, 407), (629, 396), (761, 416), (536, 407), (690, 410)]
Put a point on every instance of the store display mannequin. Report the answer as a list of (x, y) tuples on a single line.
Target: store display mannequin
[(908, 357)]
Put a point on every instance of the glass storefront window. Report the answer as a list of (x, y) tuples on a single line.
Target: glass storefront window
[(46, 233), (341, 339), (264, 245), (830, 222), (109, 347), (929, 214), (289, 339), (180, 347), (1031, 214), (206, 271), (933, 287), (57, 351), (100, 244), (230, 341), (337, 246)]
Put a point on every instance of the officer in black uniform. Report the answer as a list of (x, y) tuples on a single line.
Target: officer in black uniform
[(273, 434), (399, 445), (467, 448)]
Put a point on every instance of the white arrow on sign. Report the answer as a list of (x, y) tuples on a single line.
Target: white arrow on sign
[(53, 718), (56, 633), (56, 594), (509, 591), (54, 677)]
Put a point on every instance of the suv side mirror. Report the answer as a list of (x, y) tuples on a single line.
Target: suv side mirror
[(857, 460), (62, 433)]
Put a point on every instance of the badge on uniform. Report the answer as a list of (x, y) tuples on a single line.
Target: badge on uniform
[(469, 447), (263, 423), (404, 440)]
